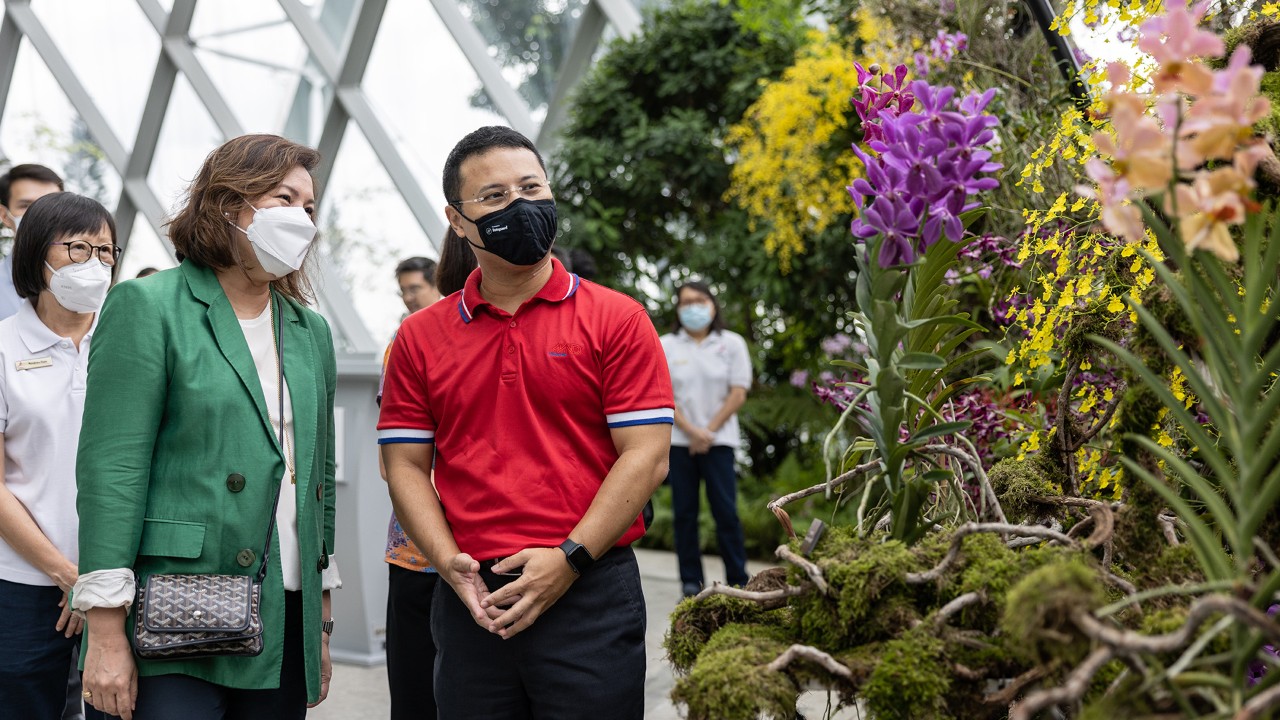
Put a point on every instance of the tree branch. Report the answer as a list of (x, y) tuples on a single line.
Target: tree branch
[(823, 486), (766, 597), (957, 539), (1070, 691), (1167, 527), (1011, 691), (814, 655), (945, 613), (1129, 642), (1104, 520), (784, 552), (1102, 422)]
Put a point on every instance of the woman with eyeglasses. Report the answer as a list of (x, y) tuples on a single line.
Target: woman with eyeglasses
[(212, 390), (63, 256)]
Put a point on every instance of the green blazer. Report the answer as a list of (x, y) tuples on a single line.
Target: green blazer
[(177, 464)]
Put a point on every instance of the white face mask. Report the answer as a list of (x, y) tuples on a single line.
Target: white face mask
[(280, 237), (80, 287)]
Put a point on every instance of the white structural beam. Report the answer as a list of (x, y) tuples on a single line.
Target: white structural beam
[(10, 41), (343, 73), (623, 16), (574, 67), (139, 193), (153, 112), (175, 40), (473, 46)]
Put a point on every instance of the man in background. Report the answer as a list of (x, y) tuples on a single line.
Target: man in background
[(21, 186), (416, 277)]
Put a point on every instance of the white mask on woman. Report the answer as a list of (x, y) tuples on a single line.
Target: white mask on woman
[(280, 237), (80, 287)]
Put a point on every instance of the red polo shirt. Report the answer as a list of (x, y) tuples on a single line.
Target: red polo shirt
[(520, 406)]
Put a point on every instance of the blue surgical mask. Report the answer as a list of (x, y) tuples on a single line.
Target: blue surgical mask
[(695, 318)]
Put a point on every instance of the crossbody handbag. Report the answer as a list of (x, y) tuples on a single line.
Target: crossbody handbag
[(188, 615)]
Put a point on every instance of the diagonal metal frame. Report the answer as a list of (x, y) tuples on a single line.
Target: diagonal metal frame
[(597, 14), (349, 102), (343, 72), (139, 194), (476, 50)]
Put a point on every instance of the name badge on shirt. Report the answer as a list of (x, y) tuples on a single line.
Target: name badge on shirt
[(34, 363)]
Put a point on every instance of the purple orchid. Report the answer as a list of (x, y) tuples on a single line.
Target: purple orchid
[(926, 163)]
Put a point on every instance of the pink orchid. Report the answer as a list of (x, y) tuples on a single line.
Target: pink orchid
[(1214, 201), (1125, 221), (1140, 150), (1222, 119), (1112, 192), (1173, 40)]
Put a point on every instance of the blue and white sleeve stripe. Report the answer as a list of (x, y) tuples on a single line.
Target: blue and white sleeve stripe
[(642, 417), (405, 435)]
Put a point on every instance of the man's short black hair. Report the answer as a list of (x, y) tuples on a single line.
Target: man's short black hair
[(426, 266), (479, 142), (50, 219), (27, 171)]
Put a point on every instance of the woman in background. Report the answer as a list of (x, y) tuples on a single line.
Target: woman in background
[(710, 373), (63, 256)]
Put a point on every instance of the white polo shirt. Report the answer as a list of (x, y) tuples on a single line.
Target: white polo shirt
[(42, 382), (701, 375)]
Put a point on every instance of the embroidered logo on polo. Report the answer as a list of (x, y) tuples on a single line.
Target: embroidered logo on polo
[(565, 349)]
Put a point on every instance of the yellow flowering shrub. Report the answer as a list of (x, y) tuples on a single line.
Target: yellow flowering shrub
[(785, 135)]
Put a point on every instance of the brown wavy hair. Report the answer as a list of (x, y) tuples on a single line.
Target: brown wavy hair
[(242, 168)]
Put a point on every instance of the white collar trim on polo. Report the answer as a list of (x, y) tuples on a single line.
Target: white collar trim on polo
[(35, 334)]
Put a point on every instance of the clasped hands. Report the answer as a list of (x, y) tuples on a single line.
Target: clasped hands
[(545, 576), (700, 441)]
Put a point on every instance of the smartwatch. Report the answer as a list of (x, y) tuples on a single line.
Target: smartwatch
[(579, 559)]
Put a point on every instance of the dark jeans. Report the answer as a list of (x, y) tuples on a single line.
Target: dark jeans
[(35, 659), (411, 653), (716, 468), (582, 659), (166, 697)]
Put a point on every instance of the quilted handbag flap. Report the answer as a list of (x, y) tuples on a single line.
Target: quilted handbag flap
[(197, 603)]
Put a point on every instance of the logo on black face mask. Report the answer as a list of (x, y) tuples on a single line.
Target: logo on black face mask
[(522, 233)]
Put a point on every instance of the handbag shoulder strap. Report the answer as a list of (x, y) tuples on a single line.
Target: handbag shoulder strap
[(275, 504)]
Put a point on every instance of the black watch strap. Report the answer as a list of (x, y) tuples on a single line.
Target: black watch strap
[(579, 558), (326, 627)]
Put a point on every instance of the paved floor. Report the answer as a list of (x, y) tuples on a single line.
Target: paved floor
[(360, 693)]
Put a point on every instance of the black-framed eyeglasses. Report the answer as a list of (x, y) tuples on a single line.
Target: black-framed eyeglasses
[(80, 251)]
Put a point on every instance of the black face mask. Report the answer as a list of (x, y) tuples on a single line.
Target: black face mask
[(521, 233)]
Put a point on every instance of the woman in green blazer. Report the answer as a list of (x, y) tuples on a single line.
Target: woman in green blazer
[(183, 472)]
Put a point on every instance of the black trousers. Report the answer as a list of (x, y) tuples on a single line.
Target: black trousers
[(584, 658), (411, 652), (166, 697)]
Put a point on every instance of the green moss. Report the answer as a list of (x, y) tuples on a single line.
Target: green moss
[(912, 680), (731, 679), (693, 622), (1174, 565), (1017, 481), (869, 598), (1164, 620), (991, 567), (1039, 609)]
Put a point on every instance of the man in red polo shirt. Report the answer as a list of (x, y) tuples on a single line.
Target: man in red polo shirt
[(545, 403)]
